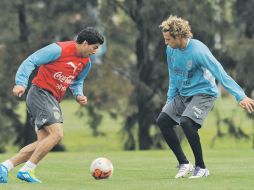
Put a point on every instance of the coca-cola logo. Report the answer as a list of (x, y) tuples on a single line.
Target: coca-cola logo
[(62, 78)]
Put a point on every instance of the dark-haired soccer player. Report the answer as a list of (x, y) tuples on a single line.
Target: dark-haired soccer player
[(61, 65), (192, 92)]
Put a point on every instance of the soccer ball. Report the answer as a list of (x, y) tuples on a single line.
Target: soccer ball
[(101, 168)]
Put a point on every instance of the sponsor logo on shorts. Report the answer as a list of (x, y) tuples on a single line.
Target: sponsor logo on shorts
[(56, 115), (43, 120), (197, 111)]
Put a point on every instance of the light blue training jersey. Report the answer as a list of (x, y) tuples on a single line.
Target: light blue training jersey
[(193, 70), (45, 56)]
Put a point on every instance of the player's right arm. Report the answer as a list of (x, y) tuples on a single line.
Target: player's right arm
[(43, 56), (172, 89)]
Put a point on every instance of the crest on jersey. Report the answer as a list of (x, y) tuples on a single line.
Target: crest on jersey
[(189, 64), (171, 59)]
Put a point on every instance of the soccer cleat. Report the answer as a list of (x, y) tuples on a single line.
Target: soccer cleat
[(28, 177), (199, 172), (183, 170), (3, 174)]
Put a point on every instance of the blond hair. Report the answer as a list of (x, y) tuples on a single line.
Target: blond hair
[(177, 27)]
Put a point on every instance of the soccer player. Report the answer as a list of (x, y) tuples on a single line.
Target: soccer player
[(192, 92), (61, 65)]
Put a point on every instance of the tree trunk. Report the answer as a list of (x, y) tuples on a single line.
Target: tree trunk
[(143, 73), (28, 134)]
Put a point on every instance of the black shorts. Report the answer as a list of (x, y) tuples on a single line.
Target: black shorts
[(42, 107)]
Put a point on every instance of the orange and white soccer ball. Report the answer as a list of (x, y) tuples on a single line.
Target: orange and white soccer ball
[(101, 168)]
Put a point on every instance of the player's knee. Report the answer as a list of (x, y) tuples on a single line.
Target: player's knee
[(57, 136), (188, 126), (185, 122), (164, 121), (60, 136), (56, 132), (160, 120)]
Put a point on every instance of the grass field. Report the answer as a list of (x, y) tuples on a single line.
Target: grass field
[(230, 161), (231, 169)]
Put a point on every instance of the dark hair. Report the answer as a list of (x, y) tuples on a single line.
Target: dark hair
[(91, 35)]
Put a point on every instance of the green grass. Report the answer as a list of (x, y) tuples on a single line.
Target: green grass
[(230, 161), (231, 169)]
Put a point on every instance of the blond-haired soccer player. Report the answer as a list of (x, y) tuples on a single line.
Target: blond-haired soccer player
[(192, 92)]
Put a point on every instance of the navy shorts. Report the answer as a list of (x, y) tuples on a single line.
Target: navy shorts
[(43, 108)]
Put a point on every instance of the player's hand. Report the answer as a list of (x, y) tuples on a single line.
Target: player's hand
[(82, 100), (248, 104), (18, 90)]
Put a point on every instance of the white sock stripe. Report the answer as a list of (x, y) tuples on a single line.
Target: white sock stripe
[(8, 164), (28, 166)]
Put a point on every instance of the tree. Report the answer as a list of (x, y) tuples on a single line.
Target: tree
[(136, 28), (244, 46), (28, 27), (9, 119)]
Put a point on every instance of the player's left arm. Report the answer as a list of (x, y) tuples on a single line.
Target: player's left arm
[(42, 56), (247, 103), (77, 85), (207, 60)]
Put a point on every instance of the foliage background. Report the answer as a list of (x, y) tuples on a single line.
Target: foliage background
[(128, 84)]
